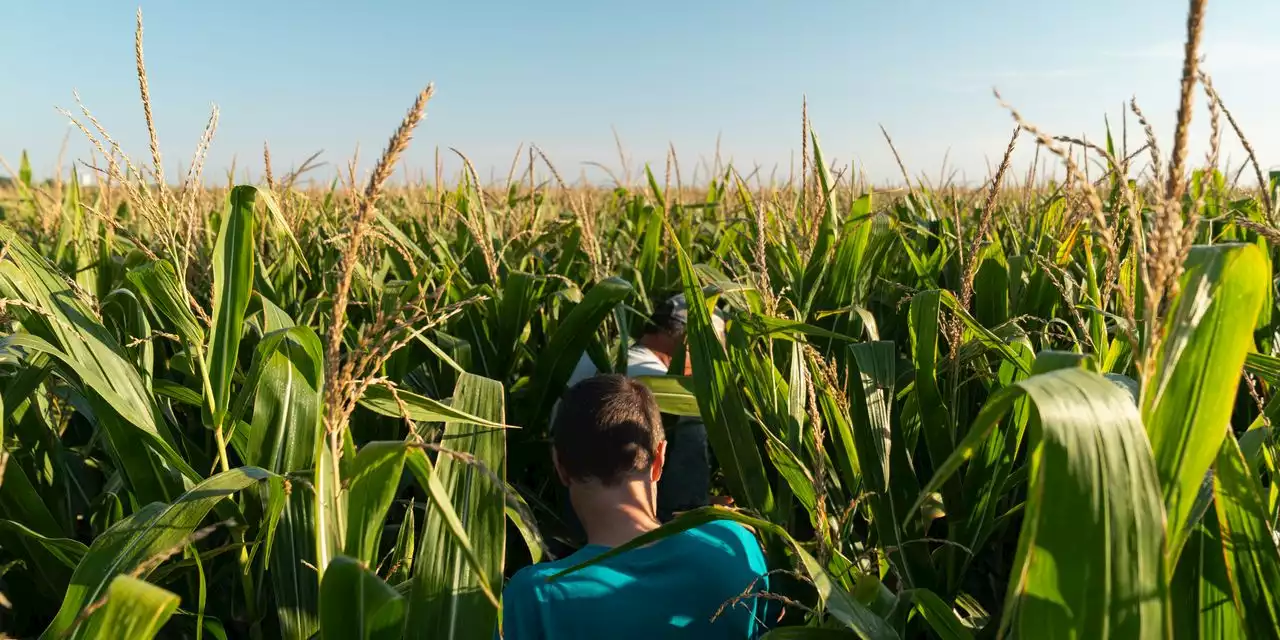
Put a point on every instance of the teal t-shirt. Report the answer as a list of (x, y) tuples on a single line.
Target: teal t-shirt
[(670, 589)]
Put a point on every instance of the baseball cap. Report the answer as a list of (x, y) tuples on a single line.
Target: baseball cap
[(676, 310), (672, 310)]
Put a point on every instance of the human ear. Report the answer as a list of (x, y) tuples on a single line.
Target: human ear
[(659, 459), (560, 473)]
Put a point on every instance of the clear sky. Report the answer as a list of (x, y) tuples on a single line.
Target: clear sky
[(331, 74)]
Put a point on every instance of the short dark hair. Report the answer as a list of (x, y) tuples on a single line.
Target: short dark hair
[(606, 428)]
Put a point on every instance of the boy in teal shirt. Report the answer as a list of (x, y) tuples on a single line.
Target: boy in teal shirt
[(608, 449)]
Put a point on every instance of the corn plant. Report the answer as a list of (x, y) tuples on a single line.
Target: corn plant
[(1027, 409)]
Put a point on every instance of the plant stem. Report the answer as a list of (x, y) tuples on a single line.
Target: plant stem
[(217, 419), (250, 594)]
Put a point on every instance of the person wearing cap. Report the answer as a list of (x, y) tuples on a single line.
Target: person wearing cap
[(686, 483), (652, 353)]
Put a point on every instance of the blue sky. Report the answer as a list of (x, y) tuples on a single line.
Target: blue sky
[(563, 74)]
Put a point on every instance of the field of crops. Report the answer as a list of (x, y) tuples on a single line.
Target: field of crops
[(1027, 409)]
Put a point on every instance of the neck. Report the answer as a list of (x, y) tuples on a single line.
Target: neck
[(614, 516), (659, 344)]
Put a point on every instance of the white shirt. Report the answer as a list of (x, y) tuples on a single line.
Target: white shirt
[(641, 361)]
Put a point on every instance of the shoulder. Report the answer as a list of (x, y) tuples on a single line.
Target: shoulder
[(642, 361), (537, 577), (584, 369), (522, 604), (733, 538), (530, 578), (523, 585), (728, 530), (523, 595)]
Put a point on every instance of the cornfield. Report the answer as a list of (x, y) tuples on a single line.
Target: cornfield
[(1029, 409)]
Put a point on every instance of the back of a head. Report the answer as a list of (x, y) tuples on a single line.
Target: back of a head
[(606, 428)]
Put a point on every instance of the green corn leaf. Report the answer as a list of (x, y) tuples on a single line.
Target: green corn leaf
[(375, 477), (835, 415), (273, 317), (1090, 559), (982, 335), (24, 170), (452, 589), (202, 595), (139, 441), (863, 243), (828, 231), (659, 195), (124, 314), (1263, 366), (177, 392), (401, 559), (439, 353), (290, 340), (937, 614), (869, 326), (797, 397), (875, 362), (279, 224), (1188, 401), (798, 479), (886, 472), (380, 399), (1248, 543), (35, 535), (295, 587), (569, 341), (400, 238), (67, 551), (841, 604), (764, 388), (674, 394), (285, 384), (939, 433), (987, 476), (287, 381), (158, 283), (233, 264), (720, 401), (651, 243), (459, 540), (1202, 587), (508, 316), (133, 609), (20, 387), (527, 527), (71, 223), (155, 529), (763, 326), (66, 328), (355, 604), (991, 293)]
